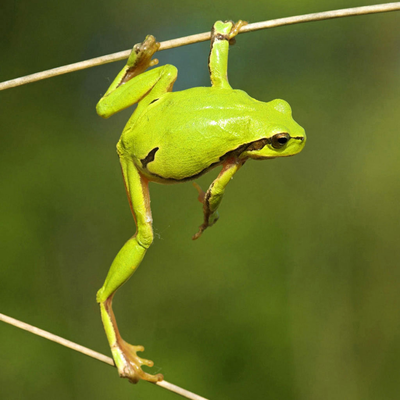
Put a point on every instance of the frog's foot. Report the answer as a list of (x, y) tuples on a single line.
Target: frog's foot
[(140, 58), (129, 364), (208, 221), (202, 228), (235, 30), (219, 30)]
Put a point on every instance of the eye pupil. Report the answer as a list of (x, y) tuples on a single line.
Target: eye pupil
[(279, 140)]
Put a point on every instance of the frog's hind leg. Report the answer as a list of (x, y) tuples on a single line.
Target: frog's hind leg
[(122, 268), (222, 35)]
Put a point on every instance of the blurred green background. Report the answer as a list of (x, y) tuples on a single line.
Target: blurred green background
[(294, 294)]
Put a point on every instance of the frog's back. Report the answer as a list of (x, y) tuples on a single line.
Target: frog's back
[(183, 134)]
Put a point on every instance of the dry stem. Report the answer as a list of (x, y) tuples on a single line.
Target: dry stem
[(201, 37), (90, 353)]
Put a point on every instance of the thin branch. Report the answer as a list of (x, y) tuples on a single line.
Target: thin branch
[(202, 37), (94, 354)]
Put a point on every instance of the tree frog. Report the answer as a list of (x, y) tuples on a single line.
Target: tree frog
[(175, 137)]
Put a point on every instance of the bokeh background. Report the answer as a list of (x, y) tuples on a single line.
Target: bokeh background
[(294, 294)]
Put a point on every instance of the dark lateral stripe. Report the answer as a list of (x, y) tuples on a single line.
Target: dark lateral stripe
[(149, 158), (232, 153)]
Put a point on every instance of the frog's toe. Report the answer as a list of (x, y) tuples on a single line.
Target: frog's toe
[(200, 231), (201, 195), (235, 29)]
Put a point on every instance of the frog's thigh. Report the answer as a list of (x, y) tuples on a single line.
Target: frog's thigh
[(156, 81)]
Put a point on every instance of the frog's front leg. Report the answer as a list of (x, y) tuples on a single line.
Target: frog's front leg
[(213, 197), (123, 266), (133, 85), (222, 35)]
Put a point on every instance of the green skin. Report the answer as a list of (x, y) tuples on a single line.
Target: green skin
[(175, 137)]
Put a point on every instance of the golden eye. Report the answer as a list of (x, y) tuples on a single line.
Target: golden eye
[(279, 140)]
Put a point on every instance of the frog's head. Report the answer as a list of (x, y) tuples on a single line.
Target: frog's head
[(280, 135)]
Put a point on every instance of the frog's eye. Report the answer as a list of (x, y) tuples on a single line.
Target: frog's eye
[(279, 140)]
